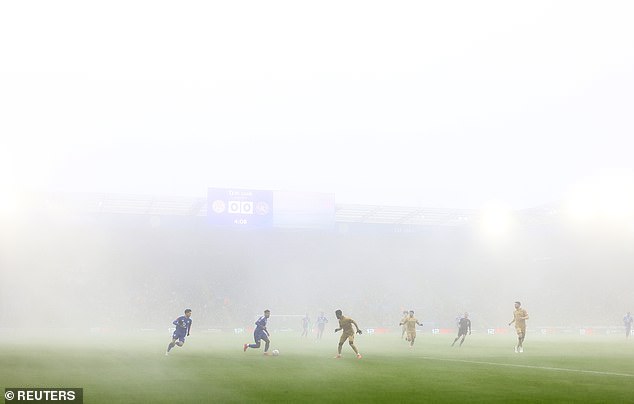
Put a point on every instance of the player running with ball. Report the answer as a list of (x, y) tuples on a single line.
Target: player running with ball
[(261, 333)]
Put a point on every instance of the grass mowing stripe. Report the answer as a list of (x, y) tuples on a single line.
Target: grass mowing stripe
[(596, 372)]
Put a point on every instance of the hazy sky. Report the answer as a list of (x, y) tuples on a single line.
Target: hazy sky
[(440, 104)]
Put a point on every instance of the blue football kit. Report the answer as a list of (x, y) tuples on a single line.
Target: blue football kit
[(183, 325)]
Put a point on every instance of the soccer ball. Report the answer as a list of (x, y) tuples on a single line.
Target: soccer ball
[(276, 352)]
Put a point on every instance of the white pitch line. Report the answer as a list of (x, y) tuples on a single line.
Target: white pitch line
[(595, 372)]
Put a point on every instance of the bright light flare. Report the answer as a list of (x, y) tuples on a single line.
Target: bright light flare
[(496, 220)]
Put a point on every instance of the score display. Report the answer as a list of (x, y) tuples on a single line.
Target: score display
[(280, 209), (240, 207)]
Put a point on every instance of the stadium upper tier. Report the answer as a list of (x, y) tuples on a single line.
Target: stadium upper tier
[(197, 206)]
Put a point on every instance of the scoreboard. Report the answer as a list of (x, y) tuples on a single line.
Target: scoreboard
[(240, 207), (258, 208)]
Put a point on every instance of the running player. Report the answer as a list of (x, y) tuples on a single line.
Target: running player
[(260, 333), (519, 318), (305, 325), (464, 325), (628, 320), (409, 323), (345, 324), (403, 328), (321, 324), (183, 326)]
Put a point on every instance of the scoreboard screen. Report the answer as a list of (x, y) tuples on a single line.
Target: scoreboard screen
[(240, 207), (280, 209), (306, 210)]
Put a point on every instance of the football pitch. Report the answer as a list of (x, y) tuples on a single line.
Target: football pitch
[(212, 367)]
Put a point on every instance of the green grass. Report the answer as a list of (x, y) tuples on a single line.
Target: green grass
[(213, 368)]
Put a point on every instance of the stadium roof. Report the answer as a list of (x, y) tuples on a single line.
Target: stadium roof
[(197, 206)]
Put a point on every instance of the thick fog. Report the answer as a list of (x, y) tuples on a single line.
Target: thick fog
[(80, 270), (422, 104)]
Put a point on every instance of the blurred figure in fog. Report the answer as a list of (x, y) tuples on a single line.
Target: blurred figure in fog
[(305, 325), (321, 324), (402, 322), (464, 325), (628, 320), (183, 326)]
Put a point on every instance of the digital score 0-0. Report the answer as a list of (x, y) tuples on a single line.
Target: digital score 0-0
[(240, 207)]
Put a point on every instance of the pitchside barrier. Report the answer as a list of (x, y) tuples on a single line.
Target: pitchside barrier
[(287, 327), (583, 331)]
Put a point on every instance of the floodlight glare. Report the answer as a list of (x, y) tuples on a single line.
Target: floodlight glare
[(496, 219)]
